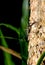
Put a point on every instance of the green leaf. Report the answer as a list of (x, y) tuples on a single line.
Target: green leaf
[(11, 27), (10, 37), (25, 9), (23, 31), (41, 58), (7, 57), (25, 15), (24, 51)]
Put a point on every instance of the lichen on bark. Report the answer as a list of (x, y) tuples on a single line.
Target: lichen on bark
[(36, 35)]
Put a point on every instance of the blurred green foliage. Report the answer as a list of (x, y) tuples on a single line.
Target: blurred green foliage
[(21, 36)]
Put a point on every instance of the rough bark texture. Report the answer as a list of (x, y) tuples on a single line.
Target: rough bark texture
[(36, 35)]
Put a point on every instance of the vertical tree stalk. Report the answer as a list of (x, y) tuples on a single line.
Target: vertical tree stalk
[(36, 35)]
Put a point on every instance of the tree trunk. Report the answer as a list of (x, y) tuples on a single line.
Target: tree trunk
[(36, 35)]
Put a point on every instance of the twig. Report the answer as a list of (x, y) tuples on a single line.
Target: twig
[(10, 51)]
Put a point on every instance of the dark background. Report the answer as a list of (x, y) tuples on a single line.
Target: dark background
[(11, 12)]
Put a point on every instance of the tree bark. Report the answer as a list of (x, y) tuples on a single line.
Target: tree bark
[(36, 35)]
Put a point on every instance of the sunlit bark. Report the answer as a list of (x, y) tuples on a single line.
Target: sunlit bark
[(36, 35)]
